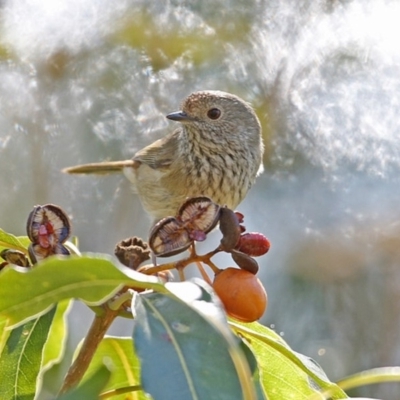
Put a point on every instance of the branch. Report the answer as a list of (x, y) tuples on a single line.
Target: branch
[(96, 333)]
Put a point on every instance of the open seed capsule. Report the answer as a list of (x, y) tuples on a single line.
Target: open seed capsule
[(169, 237), (48, 225), (132, 252), (15, 257), (38, 253), (199, 214)]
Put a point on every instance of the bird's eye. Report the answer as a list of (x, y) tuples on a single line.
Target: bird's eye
[(214, 113)]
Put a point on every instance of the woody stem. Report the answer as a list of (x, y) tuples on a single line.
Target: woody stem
[(92, 340), (193, 258)]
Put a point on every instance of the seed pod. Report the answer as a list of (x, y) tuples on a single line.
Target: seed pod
[(38, 253), (244, 261), (169, 237), (48, 225), (199, 214), (254, 244), (198, 236), (132, 252), (230, 229), (15, 257)]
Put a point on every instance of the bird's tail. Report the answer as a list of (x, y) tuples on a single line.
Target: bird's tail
[(106, 167)]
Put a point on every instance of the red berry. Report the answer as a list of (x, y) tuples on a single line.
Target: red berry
[(253, 244)]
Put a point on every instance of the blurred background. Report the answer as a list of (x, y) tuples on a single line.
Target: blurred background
[(84, 81)]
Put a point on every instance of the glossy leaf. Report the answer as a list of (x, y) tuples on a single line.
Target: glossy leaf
[(9, 241), (186, 353), (21, 359), (255, 373), (369, 377), (284, 373), (93, 279), (4, 333), (117, 353), (91, 389), (55, 345)]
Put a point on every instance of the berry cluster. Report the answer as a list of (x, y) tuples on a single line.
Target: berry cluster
[(240, 291)]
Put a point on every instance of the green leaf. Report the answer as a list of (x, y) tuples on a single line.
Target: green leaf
[(186, 350), (9, 241), (91, 389), (284, 373), (118, 354), (92, 278), (4, 332), (21, 358), (370, 377), (55, 345), (252, 361)]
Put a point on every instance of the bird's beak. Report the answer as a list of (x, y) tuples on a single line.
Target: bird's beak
[(179, 116)]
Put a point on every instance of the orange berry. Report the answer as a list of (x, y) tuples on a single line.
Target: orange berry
[(241, 293)]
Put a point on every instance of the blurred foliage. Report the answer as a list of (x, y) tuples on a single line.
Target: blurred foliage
[(164, 44)]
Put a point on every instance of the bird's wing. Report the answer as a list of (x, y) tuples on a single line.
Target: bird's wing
[(161, 153)]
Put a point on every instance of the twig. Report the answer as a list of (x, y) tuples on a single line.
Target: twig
[(98, 329), (181, 264), (203, 273)]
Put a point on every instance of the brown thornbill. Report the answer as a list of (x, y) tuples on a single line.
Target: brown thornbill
[(216, 152)]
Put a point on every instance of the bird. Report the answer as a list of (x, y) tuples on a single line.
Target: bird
[(216, 151)]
